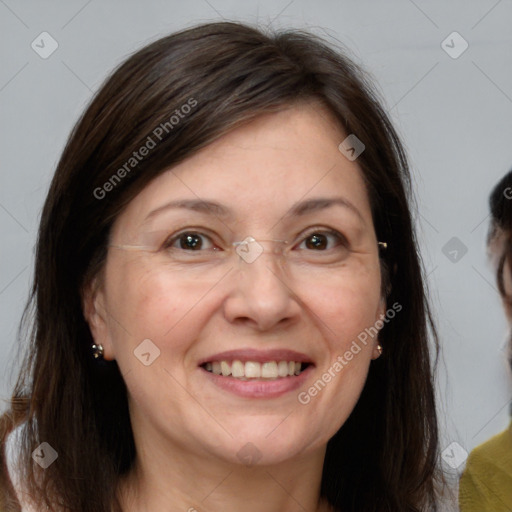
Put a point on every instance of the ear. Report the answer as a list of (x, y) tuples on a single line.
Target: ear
[(96, 316)]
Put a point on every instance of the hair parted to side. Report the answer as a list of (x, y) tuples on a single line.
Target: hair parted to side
[(384, 458)]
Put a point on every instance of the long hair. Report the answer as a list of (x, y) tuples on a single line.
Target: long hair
[(384, 458)]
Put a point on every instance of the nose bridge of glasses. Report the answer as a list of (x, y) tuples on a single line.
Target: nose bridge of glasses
[(250, 248)]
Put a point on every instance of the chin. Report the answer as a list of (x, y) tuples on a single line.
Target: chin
[(268, 441)]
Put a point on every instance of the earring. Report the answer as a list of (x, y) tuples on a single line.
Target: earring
[(97, 351), (379, 348)]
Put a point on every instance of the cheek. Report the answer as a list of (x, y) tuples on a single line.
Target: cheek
[(151, 303), (347, 310), (507, 278), (147, 305), (347, 303)]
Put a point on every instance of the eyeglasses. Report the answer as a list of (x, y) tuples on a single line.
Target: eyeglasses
[(319, 248)]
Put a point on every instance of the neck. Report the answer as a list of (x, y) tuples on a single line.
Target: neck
[(174, 479)]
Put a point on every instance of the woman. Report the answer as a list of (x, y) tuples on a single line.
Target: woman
[(229, 303), (487, 480)]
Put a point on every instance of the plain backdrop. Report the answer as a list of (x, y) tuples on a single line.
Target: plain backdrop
[(453, 111)]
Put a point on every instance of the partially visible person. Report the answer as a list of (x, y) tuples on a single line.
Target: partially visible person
[(486, 484)]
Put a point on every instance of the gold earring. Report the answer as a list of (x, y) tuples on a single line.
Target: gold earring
[(97, 351), (379, 348)]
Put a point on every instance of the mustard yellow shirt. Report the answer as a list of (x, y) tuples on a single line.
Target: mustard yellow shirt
[(486, 484)]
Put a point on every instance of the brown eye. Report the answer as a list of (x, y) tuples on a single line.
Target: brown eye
[(322, 240), (316, 241), (189, 241)]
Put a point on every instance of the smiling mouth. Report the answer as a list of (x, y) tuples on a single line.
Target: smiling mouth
[(253, 370)]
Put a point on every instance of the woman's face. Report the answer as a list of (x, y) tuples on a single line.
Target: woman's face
[(497, 248), (173, 316)]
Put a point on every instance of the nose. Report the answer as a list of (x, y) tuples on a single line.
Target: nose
[(261, 295)]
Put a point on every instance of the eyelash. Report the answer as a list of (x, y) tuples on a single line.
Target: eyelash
[(340, 238)]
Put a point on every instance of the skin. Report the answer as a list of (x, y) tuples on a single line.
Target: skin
[(187, 430), (495, 250), (507, 279)]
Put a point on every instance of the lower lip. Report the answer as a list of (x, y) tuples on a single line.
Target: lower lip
[(260, 388)]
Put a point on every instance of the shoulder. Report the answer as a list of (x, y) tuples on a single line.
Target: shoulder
[(494, 456), (487, 480)]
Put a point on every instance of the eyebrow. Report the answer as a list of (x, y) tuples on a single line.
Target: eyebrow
[(314, 205), (218, 210), (197, 205)]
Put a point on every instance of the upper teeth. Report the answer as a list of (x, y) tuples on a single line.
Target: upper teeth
[(253, 369)]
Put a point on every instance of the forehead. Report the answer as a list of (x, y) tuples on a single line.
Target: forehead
[(259, 170)]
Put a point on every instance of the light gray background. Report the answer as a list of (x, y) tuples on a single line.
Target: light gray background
[(454, 116)]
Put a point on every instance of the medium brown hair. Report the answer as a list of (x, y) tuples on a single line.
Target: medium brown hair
[(384, 458)]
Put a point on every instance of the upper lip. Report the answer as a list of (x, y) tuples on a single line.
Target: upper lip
[(260, 356)]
